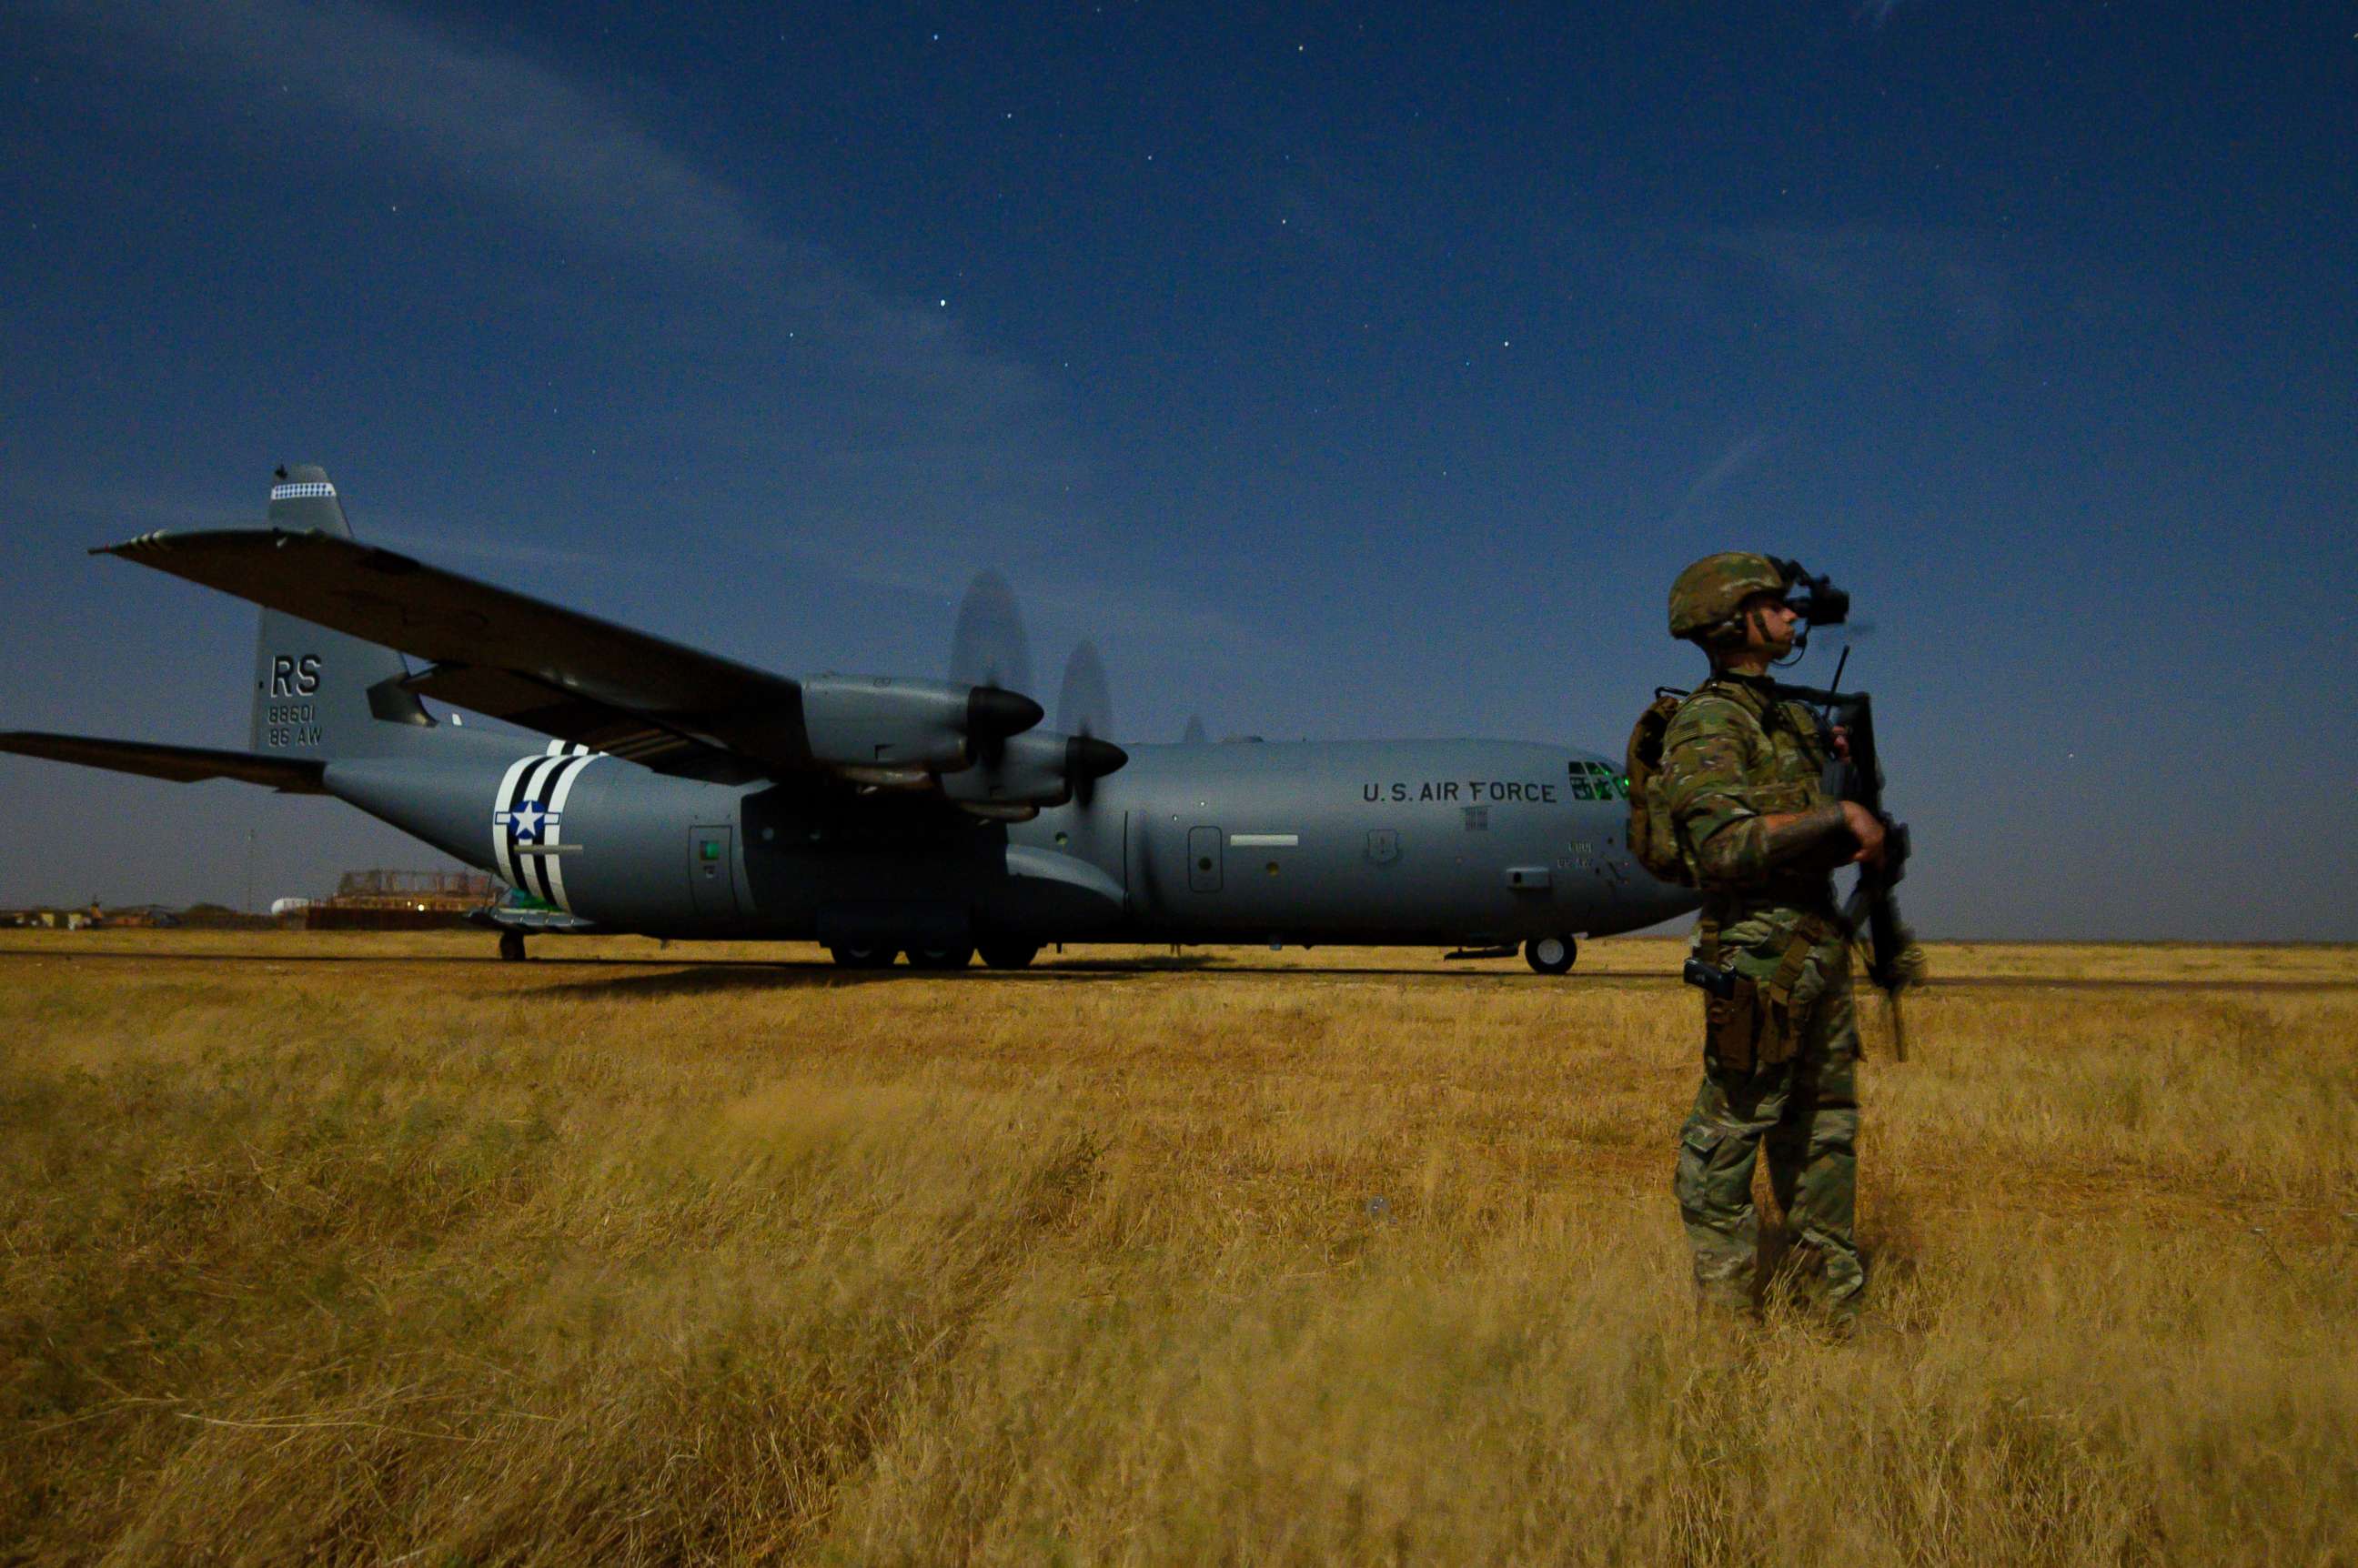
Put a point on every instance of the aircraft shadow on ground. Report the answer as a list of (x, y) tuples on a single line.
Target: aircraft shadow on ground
[(708, 977), (694, 977)]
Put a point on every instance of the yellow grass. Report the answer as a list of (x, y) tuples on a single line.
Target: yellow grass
[(365, 1248)]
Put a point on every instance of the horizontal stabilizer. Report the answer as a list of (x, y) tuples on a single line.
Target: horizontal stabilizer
[(182, 764)]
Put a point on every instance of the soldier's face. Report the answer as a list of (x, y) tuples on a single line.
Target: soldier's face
[(1769, 624)]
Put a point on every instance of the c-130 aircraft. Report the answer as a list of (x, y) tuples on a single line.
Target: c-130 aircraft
[(687, 795)]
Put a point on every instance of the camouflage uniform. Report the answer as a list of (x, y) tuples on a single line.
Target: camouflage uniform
[(1783, 1070)]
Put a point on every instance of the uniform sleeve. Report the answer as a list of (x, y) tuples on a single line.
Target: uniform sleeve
[(1707, 767)]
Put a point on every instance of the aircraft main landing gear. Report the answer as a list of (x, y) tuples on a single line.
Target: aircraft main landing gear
[(864, 956), (952, 958), (1010, 955), (511, 946), (1551, 955)]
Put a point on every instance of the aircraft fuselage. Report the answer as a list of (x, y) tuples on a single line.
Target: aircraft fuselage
[(1418, 842)]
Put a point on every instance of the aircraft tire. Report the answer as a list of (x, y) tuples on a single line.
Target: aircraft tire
[(864, 956), (956, 958), (1551, 955), (511, 946), (1010, 955)]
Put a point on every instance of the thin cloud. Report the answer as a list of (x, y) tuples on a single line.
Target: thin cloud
[(1742, 454), (488, 116), (1859, 281), (777, 329), (1107, 612)]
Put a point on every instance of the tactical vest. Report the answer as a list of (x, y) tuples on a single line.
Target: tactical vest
[(1653, 836)]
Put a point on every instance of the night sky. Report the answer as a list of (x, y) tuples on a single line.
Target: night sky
[(1339, 377)]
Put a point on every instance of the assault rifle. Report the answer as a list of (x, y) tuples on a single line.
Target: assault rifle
[(1871, 906)]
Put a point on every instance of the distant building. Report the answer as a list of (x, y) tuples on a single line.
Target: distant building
[(384, 900), (413, 890), (50, 918), (92, 916)]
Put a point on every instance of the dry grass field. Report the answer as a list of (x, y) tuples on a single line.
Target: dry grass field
[(368, 1249)]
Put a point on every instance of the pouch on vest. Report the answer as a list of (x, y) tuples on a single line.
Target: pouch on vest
[(1777, 1031), (1781, 1022), (1732, 1026), (1652, 837)]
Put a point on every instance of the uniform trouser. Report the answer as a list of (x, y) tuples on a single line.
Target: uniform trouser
[(1806, 1110)]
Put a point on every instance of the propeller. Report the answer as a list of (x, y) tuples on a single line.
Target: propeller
[(1084, 706), (989, 651), (988, 647), (1088, 760), (1085, 711)]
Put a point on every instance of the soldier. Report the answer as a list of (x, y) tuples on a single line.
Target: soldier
[(1742, 777)]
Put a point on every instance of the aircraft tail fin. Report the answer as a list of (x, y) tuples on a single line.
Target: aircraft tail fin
[(318, 693)]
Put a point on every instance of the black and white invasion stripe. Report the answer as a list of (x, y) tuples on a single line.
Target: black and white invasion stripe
[(548, 778)]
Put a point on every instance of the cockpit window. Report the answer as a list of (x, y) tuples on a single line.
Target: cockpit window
[(1595, 781)]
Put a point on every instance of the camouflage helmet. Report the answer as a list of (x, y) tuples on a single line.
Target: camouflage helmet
[(1707, 592)]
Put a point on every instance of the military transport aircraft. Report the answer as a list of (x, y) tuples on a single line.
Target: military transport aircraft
[(683, 794)]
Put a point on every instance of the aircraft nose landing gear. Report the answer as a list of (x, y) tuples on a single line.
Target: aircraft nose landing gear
[(1551, 955), (511, 946)]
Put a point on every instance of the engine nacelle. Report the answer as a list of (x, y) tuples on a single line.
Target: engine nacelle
[(1039, 769), (892, 726)]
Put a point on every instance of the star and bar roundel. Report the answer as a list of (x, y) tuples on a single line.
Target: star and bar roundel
[(528, 819)]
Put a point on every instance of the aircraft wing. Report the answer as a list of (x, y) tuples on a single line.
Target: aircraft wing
[(497, 652), (182, 764)]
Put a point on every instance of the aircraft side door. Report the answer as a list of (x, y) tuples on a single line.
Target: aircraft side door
[(1204, 856), (712, 870)]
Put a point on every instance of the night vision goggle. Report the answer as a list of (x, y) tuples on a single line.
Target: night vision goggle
[(1815, 599)]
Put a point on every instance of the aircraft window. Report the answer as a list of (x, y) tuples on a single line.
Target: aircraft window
[(1581, 789)]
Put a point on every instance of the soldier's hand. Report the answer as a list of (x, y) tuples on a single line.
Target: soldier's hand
[(1841, 733), (1867, 829)]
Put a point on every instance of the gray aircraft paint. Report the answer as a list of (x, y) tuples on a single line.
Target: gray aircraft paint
[(1479, 842), (1297, 854)]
